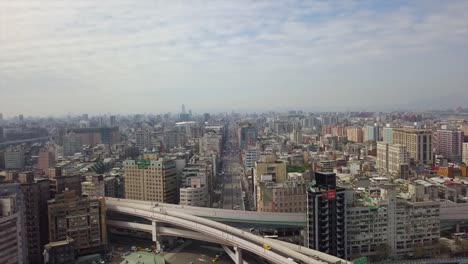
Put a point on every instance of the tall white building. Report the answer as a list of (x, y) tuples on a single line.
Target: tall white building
[(13, 247), (393, 158), (465, 153)]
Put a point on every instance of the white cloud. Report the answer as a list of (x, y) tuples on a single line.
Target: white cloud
[(107, 44)]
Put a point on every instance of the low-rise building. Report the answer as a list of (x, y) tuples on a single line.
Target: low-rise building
[(287, 197), (195, 193), (59, 252)]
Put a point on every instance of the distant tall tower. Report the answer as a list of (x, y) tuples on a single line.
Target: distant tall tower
[(113, 121), (1, 117), (183, 109), (21, 118)]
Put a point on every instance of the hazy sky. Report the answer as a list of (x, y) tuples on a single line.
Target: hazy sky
[(130, 56)]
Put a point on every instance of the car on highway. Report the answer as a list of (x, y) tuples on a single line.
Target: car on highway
[(266, 246)]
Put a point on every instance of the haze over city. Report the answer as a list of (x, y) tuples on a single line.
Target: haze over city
[(126, 56)]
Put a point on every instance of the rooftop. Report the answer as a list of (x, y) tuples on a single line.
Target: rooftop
[(143, 258)]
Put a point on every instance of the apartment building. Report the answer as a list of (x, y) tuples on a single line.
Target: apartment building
[(355, 134), (210, 144), (81, 218), (14, 158), (379, 222), (46, 160), (449, 144), (287, 197), (36, 193), (465, 153), (251, 156), (326, 226), (387, 135), (151, 180), (93, 186), (195, 193), (394, 159), (268, 165), (13, 245), (417, 141)]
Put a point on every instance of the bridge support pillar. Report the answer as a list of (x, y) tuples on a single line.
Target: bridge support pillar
[(238, 255), (156, 238)]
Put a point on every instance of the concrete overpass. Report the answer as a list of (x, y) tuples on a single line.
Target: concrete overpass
[(21, 141), (454, 211), (186, 222), (236, 217)]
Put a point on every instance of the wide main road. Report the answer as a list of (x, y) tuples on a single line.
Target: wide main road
[(232, 168)]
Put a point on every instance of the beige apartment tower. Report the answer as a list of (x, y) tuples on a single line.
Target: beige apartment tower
[(81, 218), (418, 142), (151, 180), (393, 158)]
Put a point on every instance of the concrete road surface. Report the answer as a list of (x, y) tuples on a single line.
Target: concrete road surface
[(232, 189)]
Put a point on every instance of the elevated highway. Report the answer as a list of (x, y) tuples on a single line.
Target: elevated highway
[(185, 224), (233, 217)]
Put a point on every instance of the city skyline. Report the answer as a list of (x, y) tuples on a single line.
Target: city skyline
[(122, 56)]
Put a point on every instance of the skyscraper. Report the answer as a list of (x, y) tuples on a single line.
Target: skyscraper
[(36, 192), (183, 109), (326, 215), (449, 144), (417, 141)]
